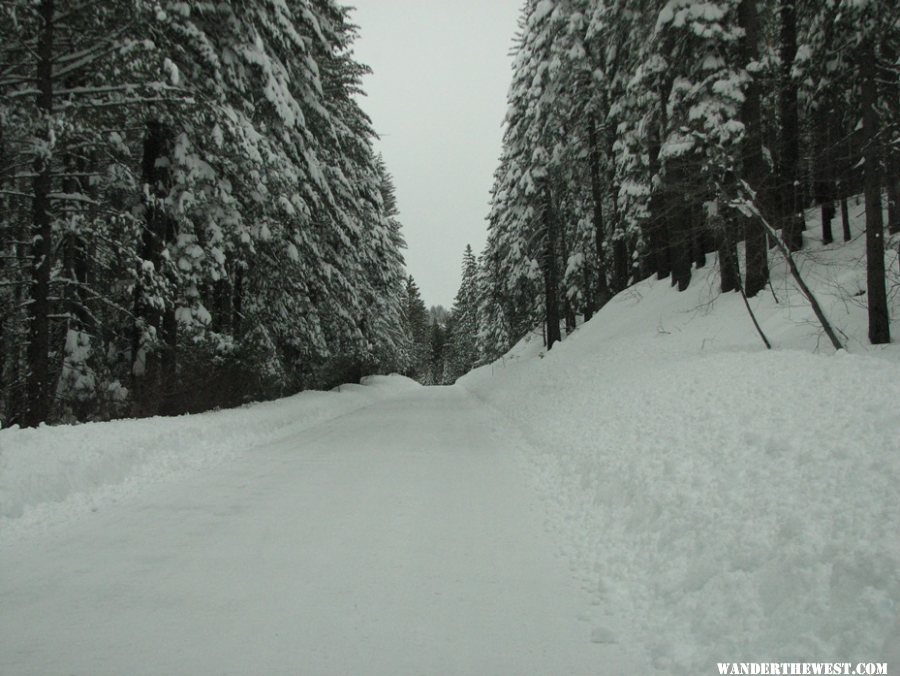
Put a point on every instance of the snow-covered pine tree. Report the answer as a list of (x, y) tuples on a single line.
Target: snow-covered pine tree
[(700, 50), (656, 124), (493, 338), (530, 185), (73, 78), (218, 228), (849, 62), (512, 277), (436, 343), (461, 349), (418, 333)]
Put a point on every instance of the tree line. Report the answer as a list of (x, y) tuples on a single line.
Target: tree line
[(445, 343), (642, 136), (192, 214)]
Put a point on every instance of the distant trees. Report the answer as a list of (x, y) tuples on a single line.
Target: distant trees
[(416, 326), (632, 127), (191, 210), (450, 347), (436, 343), (460, 349)]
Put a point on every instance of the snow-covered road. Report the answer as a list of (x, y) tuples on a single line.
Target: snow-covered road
[(399, 539)]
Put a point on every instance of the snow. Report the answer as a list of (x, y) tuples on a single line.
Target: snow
[(172, 72), (76, 379), (541, 10), (401, 539), (656, 494), (53, 475), (716, 498)]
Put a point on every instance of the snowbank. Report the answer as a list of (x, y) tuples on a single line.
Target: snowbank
[(718, 501), (51, 473)]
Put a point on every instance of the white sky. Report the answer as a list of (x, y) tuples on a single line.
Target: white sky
[(437, 99)]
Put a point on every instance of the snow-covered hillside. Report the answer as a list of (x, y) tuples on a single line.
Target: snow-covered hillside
[(716, 500)]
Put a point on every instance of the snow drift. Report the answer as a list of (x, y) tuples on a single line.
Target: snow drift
[(719, 501), (50, 473)]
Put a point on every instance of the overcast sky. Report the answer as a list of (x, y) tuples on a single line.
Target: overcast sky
[(437, 98)]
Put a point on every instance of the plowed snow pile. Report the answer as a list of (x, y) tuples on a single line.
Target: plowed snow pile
[(721, 502), (50, 474)]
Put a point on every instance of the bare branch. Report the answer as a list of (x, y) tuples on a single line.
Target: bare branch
[(748, 207)]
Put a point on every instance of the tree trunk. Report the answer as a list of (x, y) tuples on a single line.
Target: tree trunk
[(889, 78), (844, 169), (221, 314), (568, 309), (7, 344), (15, 400), (680, 225), (169, 357), (728, 260), (588, 309), (37, 386), (879, 321), (602, 295), (823, 173), (168, 363), (827, 212), (845, 219), (148, 304), (792, 217), (681, 248), (701, 235), (237, 301), (551, 273), (658, 235), (755, 169), (571, 322), (621, 262)]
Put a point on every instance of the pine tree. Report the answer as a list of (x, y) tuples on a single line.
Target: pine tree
[(493, 338), (634, 129), (460, 348), (418, 333), (203, 216), (436, 344), (851, 51), (71, 80), (754, 166), (789, 135)]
